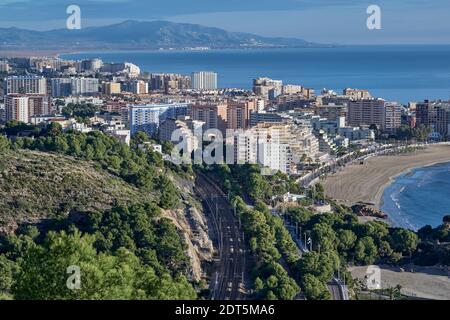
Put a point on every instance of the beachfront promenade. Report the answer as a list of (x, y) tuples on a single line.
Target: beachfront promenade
[(353, 181)]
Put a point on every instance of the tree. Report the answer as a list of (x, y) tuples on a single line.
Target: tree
[(103, 276), (366, 251), (347, 240), (446, 219), (5, 144), (322, 266), (422, 132), (425, 232), (404, 132), (259, 284), (404, 241), (54, 129), (324, 236), (7, 268), (314, 289), (272, 282)]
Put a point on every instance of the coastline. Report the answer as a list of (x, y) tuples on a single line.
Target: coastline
[(56, 53), (367, 183)]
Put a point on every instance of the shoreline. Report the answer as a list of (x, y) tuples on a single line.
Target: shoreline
[(367, 183), (379, 196)]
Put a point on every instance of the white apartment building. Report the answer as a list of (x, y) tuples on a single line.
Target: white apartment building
[(65, 87), (4, 67), (279, 147), (139, 87), (25, 85), (127, 68), (267, 88), (204, 80)]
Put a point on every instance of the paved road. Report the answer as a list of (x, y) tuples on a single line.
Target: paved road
[(337, 288), (227, 281)]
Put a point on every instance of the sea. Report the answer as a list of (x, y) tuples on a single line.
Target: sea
[(418, 198), (397, 73)]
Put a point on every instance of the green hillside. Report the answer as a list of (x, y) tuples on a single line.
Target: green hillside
[(36, 185)]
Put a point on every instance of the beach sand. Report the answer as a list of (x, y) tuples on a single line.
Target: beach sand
[(366, 183), (425, 282)]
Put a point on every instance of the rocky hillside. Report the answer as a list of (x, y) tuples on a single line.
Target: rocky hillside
[(37, 187)]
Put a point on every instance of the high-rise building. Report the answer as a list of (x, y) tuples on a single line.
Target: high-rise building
[(393, 117), (85, 86), (279, 147), (366, 112), (434, 115), (170, 125), (126, 68), (61, 87), (204, 80), (138, 87), (214, 115), (147, 118), (16, 108), (267, 88), (91, 65), (331, 112), (111, 88), (238, 113), (25, 85), (357, 94), (22, 107), (187, 130), (39, 105), (267, 117), (169, 82), (4, 67), (291, 89), (64, 87)]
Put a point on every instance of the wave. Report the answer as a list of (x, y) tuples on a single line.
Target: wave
[(413, 201)]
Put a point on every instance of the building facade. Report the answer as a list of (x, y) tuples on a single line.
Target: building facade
[(214, 115), (204, 80), (25, 85), (147, 118), (367, 112)]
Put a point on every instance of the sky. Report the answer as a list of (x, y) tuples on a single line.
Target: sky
[(324, 21)]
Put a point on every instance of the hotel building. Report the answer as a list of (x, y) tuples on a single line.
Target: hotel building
[(204, 80), (147, 118), (25, 85)]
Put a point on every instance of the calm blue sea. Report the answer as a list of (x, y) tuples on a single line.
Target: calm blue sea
[(401, 73), (418, 198)]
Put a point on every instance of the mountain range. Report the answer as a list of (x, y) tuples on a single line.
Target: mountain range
[(138, 35)]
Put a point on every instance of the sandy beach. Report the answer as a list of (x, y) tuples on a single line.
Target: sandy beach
[(366, 183), (425, 282)]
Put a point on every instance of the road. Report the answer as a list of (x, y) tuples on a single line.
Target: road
[(337, 288), (227, 281), (341, 162)]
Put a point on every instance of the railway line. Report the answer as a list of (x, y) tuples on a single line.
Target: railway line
[(227, 281)]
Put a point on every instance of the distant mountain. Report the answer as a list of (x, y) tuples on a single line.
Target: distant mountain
[(139, 35)]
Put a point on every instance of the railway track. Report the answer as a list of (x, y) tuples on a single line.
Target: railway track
[(228, 279)]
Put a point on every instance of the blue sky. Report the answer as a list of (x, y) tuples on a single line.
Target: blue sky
[(327, 21)]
